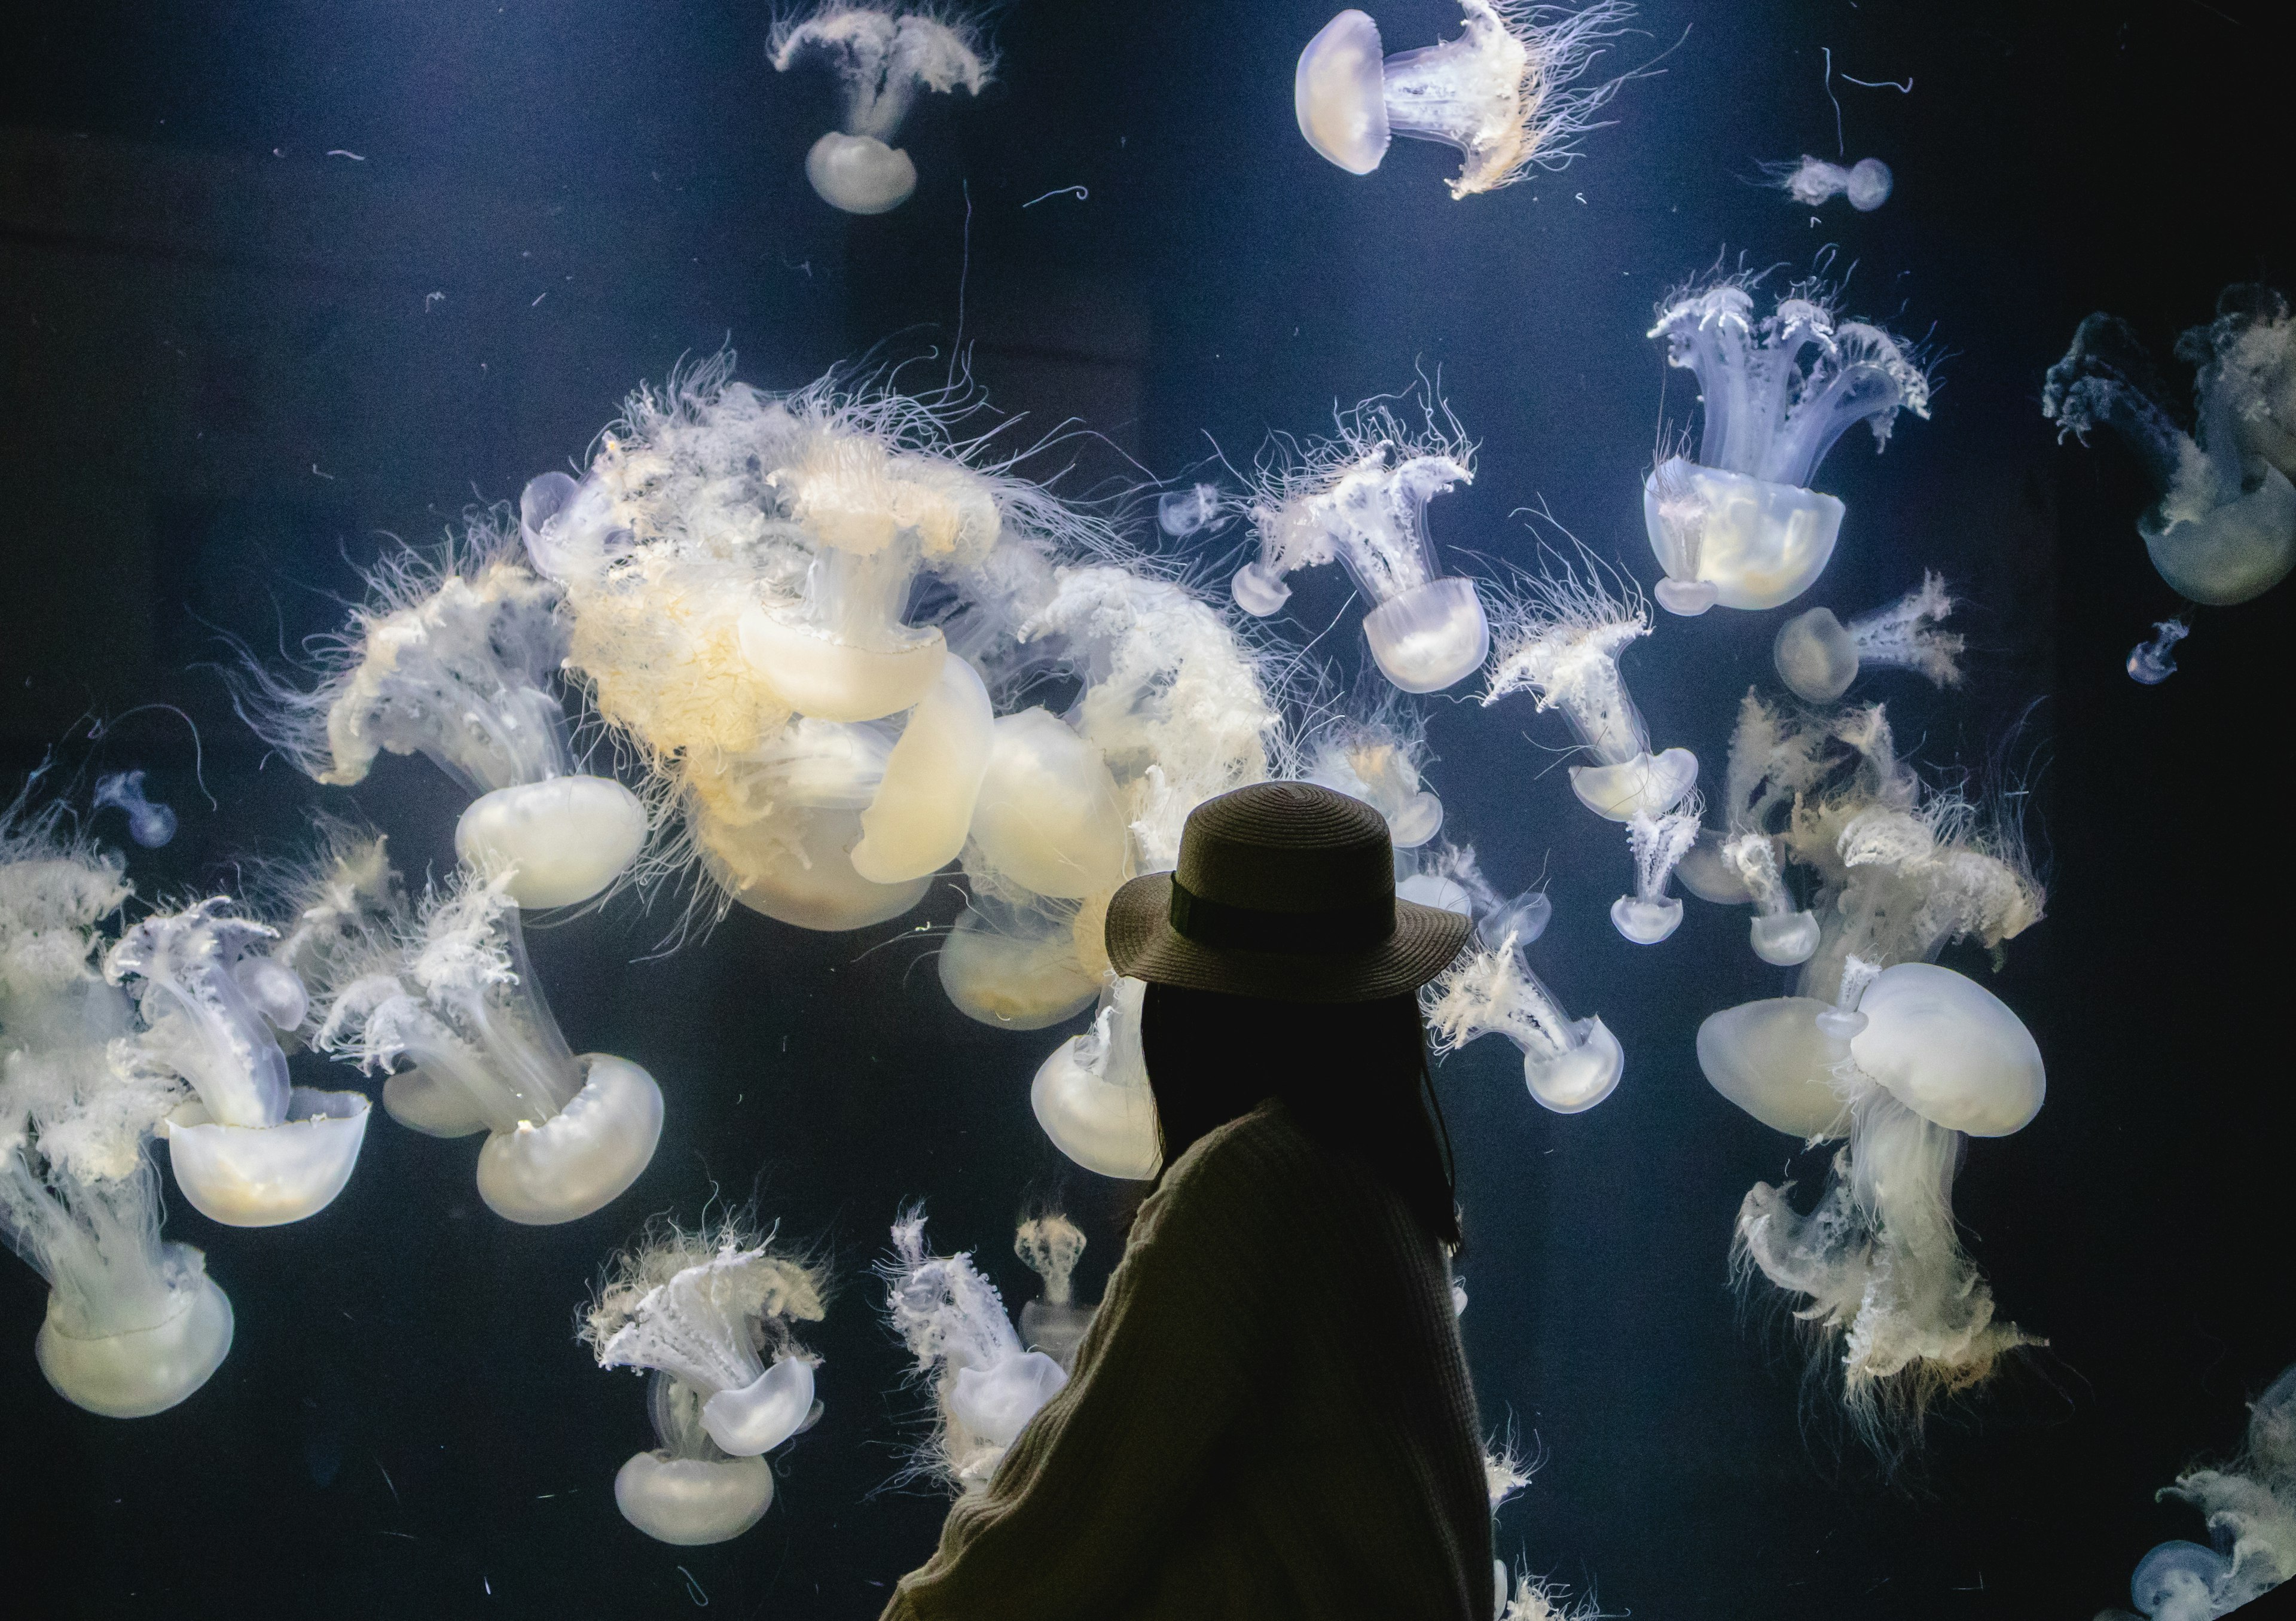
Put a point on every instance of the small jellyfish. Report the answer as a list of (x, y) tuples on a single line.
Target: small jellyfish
[(1379, 761), (149, 825), (1055, 1324), (1784, 935), (1092, 1095), (1739, 527), (1658, 843), (1499, 92), (1199, 509), (1360, 498), (450, 988), (1569, 1064), (2154, 662), (1818, 657), (712, 1315), (882, 55), (1560, 638), (248, 1150), (1814, 182), (2249, 1505), (1773, 759), (1016, 965)]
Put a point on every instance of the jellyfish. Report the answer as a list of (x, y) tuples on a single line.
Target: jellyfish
[(1361, 497), (1092, 1095), (1379, 761), (1814, 182), (1014, 963), (451, 990), (986, 1385), (1200, 508), (1569, 1064), (1052, 1323), (2222, 529), (1048, 816), (1774, 758), (134, 1324), (1658, 843), (1739, 526), (1452, 878), (1542, 1598), (1560, 638), (2150, 663), (1500, 93), (1818, 657), (882, 55), (452, 658), (712, 1315), (247, 1149), (149, 825)]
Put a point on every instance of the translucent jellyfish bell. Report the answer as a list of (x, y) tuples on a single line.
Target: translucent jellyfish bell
[(1055, 1323), (141, 1372), (1015, 967), (923, 810), (996, 1404), (1569, 1065), (149, 825), (1814, 182), (692, 1503), (1657, 843), (1776, 1060), (1092, 1095), (1949, 1050), (565, 838), (1379, 761), (2150, 663), (882, 57), (1818, 657), (1047, 816)]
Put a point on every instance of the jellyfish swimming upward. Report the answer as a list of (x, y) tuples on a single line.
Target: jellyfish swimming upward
[(882, 56)]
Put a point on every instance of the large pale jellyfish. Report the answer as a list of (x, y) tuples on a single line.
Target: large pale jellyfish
[(134, 1324), (1818, 657), (1053, 1324), (712, 1315), (1500, 93), (1569, 1064), (986, 1385), (1380, 761), (247, 1149), (1558, 639), (1814, 182), (451, 990), (1739, 526), (1360, 498), (883, 54), (1092, 1095), (453, 657), (2222, 529), (2250, 1504)]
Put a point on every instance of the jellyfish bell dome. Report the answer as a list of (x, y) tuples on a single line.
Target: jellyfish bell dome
[(691, 1502), (763, 1413), (1786, 940), (1815, 656), (1258, 592), (1092, 1097), (1014, 981), (1574, 1081), (1735, 540), (568, 527), (997, 1403), (1646, 922), (1949, 1050), (830, 678), (565, 838), (801, 872), (275, 989), (1869, 184), (1710, 875), (416, 1101), (1339, 95), (1651, 783), (1431, 637), (2178, 1579), (923, 810), (1773, 1060), (2233, 553), (860, 174), (582, 1158), (144, 1370), (1048, 816), (262, 1177)]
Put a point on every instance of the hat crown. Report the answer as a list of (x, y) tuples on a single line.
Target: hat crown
[(1287, 847)]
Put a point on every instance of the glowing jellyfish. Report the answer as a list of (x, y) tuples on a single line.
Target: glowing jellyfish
[(1200, 508), (453, 660), (1774, 758), (1379, 761), (1818, 657), (1047, 816), (134, 1325), (1570, 1064), (1499, 92), (1361, 498), (1052, 1323), (1657, 843), (1451, 878), (149, 825), (1739, 527), (1092, 1095), (2224, 527), (2150, 663), (1814, 182), (712, 1315), (248, 1151), (986, 1385), (451, 990), (882, 56), (1016, 966), (1558, 639)]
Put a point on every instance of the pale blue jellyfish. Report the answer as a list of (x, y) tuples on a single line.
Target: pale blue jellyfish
[(1814, 182), (883, 54), (1818, 656), (149, 825), (2150, 663)]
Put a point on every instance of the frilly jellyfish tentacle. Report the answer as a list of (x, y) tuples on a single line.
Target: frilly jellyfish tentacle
[(882, 57), (2150, 663), (149, 825), (1054, 1324), (1658, 842), (1570, 1065)]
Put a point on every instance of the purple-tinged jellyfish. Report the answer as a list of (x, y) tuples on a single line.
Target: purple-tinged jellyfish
[(149, 825), (248, 1149), (1569, 1064), (1053, 1324), (1092, 1095), (1818, 657), (1658, 843), (451, 990), (2150, 663), (1814, 182), (1558, 639), (1360, 498), (986, 1385), (1200, 509), (1500, 93), (712, 1315), (883, 54), (1380, 761), (134, 1325), (1739, 526)]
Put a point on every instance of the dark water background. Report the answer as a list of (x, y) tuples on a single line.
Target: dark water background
[(227, 379)]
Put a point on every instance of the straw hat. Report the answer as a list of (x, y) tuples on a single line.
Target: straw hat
[(1284, 891)]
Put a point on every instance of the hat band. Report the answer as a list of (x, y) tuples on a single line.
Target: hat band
[(1306, 933)]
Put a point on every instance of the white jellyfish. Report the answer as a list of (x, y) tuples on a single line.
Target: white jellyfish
[(1569, 1064), (1014, 963), (1558, 639), (451, 990), (1360, 497), (2224, 527), (1053, 1324), (247, 1149), (986, 1385), (883, 54), (1500, 93), (134, 1325), (1818, 657), (1774, 758), (149, 823), (2150, 663), (1200, 508), (1814, 182), (1092, 1095), (1380, 761), (1450, 877), (712, 1315), (1739, 526), (453, 657), (1658, 843)]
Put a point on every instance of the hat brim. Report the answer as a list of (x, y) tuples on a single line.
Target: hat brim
[(1143, 944)]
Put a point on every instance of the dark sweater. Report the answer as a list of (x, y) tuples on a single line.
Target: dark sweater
[(1270, 1418)]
